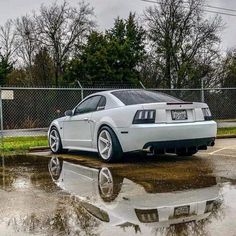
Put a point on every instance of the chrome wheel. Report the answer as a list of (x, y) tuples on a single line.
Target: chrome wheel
[(105, 144), (54, 140), (106, 182), (54, 167)]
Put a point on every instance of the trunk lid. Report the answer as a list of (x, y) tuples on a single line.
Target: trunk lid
[(177, 112)]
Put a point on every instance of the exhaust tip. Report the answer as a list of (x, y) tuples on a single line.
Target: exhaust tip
[(149, 149)]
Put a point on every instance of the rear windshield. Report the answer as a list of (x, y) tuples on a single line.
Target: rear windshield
[(133, 97)]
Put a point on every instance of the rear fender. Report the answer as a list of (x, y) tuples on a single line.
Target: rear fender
[(105, 121)]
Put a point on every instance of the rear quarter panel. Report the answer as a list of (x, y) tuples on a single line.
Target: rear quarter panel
[(121, 117)]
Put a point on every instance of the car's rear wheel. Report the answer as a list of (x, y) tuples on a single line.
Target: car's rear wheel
[(55, 141), (109, 148)]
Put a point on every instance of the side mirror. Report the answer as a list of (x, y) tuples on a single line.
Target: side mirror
[(69, 113)]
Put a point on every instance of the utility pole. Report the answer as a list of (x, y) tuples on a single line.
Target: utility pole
[(202, 88)]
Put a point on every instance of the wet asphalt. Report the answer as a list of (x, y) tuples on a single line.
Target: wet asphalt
[(77, 194)]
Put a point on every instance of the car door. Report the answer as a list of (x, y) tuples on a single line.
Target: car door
[(77, 128)]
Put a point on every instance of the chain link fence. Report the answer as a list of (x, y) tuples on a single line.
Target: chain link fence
[(29, 111)]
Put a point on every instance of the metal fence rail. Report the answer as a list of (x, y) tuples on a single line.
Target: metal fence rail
[(22, 109)]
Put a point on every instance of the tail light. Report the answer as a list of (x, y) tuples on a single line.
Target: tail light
[(147, 216), (207, 113), (145, 117)]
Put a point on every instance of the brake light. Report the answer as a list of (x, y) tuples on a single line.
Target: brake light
[(145, 117), (147, 215), (207, 113)]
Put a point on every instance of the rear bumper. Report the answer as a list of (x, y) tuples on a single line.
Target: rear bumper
[(200, 143), (181, 135)]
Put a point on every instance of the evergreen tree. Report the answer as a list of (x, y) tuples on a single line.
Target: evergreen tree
[(5, 68), (42, 71), (110, 58)]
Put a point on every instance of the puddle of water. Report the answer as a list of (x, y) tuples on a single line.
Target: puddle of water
[(45, 196)]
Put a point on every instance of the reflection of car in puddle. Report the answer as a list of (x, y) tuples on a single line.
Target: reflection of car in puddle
[(118, 200)]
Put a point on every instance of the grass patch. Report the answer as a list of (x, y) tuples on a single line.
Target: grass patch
[(227, 120), (227, 131), (22, 144)]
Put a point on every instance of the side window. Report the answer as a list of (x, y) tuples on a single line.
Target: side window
[(88, 105), (101, 104)]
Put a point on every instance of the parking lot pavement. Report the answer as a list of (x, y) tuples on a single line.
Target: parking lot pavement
[(219, 161), (222, 156), (77, 193), (25, 132), (223, 147)]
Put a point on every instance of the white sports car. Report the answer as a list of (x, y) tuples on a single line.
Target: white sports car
[(120, 121)]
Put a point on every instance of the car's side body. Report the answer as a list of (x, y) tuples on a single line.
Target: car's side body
[(80, 131)]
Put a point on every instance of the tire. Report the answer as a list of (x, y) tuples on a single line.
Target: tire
[(54, 141), (109, 149), (109, 185), (55, 168)]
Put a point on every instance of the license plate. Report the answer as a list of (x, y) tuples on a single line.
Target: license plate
[(181, 211), (179, 115)]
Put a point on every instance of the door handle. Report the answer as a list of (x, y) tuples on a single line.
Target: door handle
[(89, 120)]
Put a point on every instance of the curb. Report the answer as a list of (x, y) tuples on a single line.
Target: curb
[(43, 148), (226, 136)]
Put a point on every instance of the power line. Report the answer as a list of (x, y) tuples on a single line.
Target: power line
[(220, 13), (219, 8), (209, 6)]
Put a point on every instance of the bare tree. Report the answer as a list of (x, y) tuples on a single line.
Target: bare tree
[(228, 69), (26, 43), (184, 42), (60, 27), (7, 41)]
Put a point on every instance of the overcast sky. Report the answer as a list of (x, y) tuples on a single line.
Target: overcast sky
[(107, 10)]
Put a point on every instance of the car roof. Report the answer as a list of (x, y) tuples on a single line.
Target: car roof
[(115, 90)]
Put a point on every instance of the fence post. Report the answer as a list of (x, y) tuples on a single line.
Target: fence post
[(142, 85), (1, 116), (81, 89), (202, 89)]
